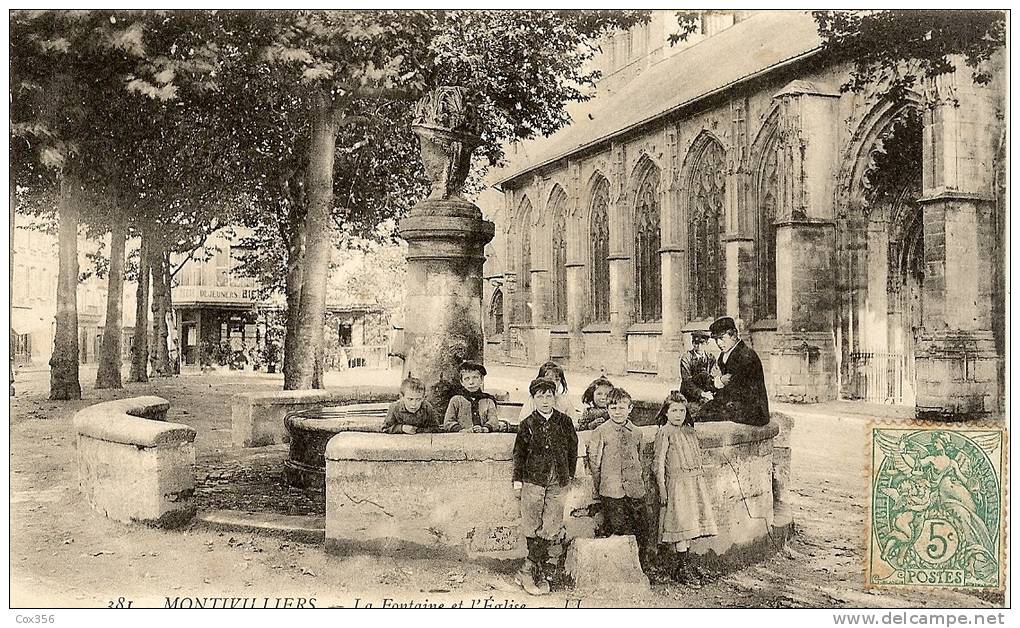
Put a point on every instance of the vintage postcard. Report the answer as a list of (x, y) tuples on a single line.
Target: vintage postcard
[(504, 309)]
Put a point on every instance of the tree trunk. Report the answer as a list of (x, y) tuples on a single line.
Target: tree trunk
[(108, 375), (307, 350), (140, 349), (295, 258), (159, 271), (64, 382)]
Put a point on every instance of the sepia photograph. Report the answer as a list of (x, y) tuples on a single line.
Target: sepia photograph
[(510, 309)]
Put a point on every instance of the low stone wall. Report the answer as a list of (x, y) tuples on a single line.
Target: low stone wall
[(256, 419), (132, 465), (451, 494)]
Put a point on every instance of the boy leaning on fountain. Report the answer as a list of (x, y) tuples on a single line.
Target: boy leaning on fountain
[(545, 458), (472, 409), (411, 414)]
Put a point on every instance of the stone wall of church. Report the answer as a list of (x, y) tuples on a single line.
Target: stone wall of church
[(785, 156)]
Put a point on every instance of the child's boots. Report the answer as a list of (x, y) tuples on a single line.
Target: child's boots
[(542, 556), (526, 577)]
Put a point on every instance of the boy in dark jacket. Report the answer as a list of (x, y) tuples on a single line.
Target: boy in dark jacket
[(545, 459)]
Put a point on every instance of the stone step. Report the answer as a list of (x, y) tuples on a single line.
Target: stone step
[(308, 528)]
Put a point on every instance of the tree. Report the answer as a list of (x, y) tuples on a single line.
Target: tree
[(96, 108), (906, 46), (355, 75), (63, 69)]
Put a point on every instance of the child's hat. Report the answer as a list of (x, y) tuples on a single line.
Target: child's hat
[(540, 384)]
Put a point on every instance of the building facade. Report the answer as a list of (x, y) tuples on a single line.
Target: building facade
[(224, 318), (34, 299), (857, 241)]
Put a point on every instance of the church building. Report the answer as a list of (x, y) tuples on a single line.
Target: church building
[(857, 241)]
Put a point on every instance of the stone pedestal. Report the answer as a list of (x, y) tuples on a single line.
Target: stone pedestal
[(443, 320), (957, 375), (607, 564), (803, 367)]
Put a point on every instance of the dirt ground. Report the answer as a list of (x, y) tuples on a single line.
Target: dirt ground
[(64, 554)]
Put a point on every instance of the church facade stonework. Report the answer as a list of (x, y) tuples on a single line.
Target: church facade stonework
[(857, 241)]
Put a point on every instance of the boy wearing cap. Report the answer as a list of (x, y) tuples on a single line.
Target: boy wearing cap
[(545, 459), (741, 395), (471, 409), (696, 372)]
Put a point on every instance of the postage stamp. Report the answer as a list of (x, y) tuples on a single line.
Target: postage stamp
[(938, 507)]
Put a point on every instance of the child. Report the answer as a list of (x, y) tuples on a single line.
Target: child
[(411, 414), (686, 509), (472, 409), (545, 459), (595, 398), (614, 458), (553, 371), (696, 381)]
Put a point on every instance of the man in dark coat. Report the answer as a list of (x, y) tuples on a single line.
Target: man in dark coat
[(741, 395)]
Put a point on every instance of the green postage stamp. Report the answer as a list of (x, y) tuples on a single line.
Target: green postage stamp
[(938, 507)]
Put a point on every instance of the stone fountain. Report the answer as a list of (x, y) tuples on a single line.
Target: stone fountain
[(446, 238)]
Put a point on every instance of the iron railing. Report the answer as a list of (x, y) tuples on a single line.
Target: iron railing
[(877, 377)]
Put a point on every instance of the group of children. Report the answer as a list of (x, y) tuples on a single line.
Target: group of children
[(545, 459)]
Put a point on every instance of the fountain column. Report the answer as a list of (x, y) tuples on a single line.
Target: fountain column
[(446, 238)]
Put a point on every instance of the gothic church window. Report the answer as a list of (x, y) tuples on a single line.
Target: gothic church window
[(523, 309), (767, 200), (496, 313), (647, 263), (705, 247), (558, 205), (599, 233)]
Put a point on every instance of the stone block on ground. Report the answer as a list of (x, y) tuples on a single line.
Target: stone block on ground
[(609, 564), (134, 467)]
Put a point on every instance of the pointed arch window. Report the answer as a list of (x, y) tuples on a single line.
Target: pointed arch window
[(522, 307), (558, 206), (768, 195), (599, 233), (705, 247), (647, 262), (496, 313)]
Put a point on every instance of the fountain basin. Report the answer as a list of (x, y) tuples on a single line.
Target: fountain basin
[(450, 495), (311, 429)]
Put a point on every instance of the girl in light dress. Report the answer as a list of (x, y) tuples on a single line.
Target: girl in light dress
[(686, 511)]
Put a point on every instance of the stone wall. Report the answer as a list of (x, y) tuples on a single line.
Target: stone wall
[(132, 465), (256, 419), (451, 494)]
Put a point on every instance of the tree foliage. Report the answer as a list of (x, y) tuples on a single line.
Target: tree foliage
[(880, 44)]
